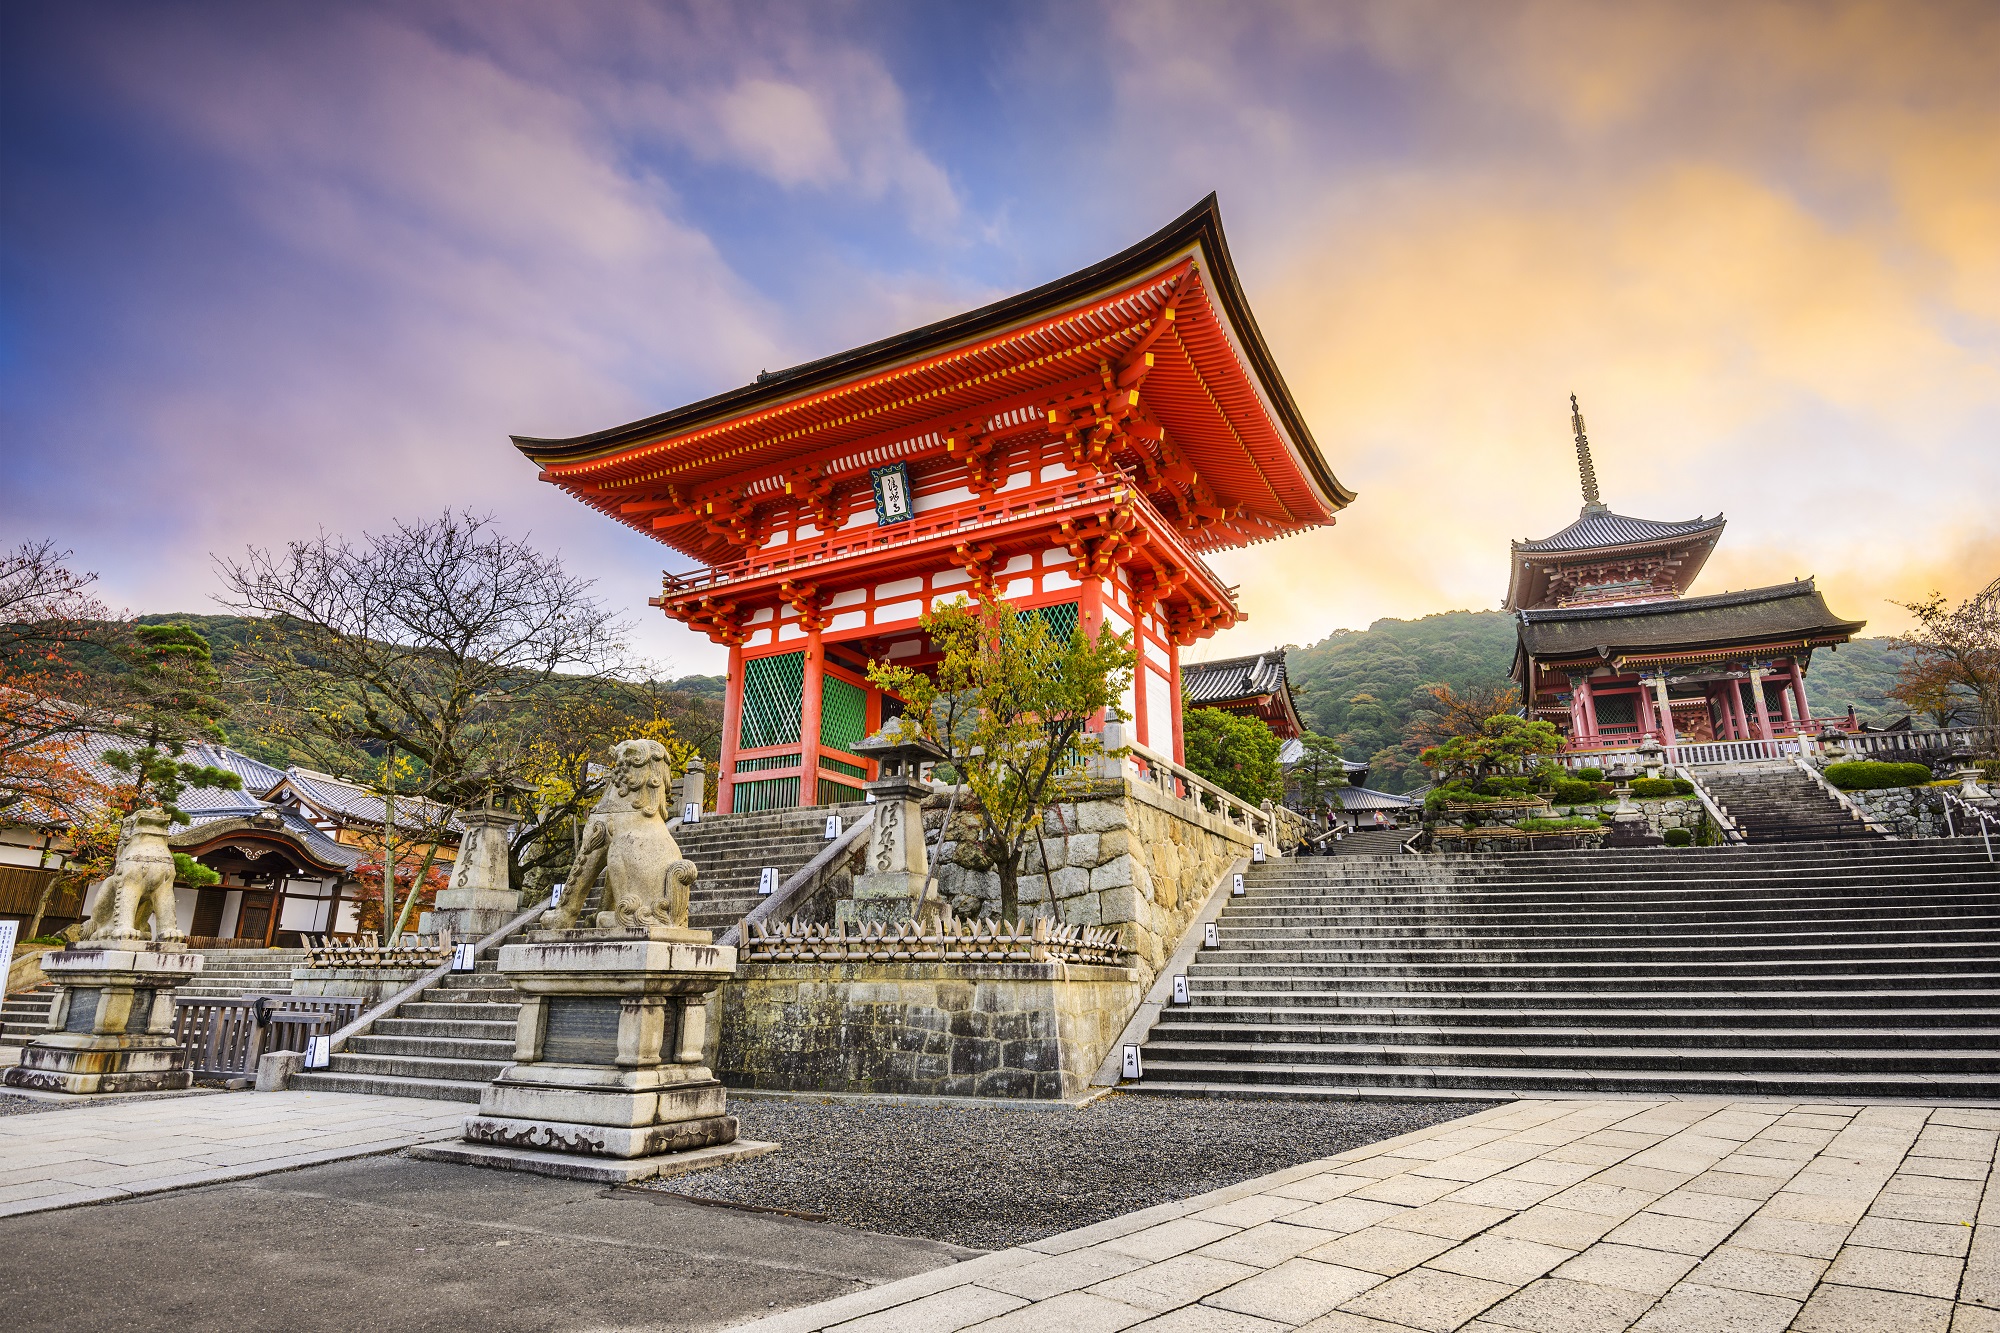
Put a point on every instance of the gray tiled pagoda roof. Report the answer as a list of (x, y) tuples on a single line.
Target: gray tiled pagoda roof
[(1601, 528), (1233, 678), (1786, 612), (1367, 798)]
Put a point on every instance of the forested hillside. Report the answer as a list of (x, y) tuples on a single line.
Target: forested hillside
[(1363, 687)]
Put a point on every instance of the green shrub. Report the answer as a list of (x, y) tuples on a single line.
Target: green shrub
[(1654, 788), (1861, 775), (1571, 791), (1576, 825), (193, 873), (1677, 837), (1588, 775)]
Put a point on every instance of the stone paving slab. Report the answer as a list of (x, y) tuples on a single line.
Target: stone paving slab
[(91, 1151), (1543, 1216)]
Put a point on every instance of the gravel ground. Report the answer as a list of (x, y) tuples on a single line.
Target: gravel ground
[(991, 1177), (13, 1105)]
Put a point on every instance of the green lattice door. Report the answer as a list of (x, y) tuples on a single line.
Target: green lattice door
[(843, 713), (773, 694)]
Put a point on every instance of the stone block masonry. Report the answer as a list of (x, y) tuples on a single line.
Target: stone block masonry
[(1130, 858), (943, 1029)]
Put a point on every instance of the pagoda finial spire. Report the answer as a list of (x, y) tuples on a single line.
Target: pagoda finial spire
[(1584, 467)]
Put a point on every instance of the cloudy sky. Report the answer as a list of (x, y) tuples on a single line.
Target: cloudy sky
[(267, 268)]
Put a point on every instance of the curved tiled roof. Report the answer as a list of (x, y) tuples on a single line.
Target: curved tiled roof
[(1232, 678), (1598, 529), (1783, 613), (1367, 798)]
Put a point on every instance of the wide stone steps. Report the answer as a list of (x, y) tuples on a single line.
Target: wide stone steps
[(436, 1089), (1784, 806), (1870, 968)]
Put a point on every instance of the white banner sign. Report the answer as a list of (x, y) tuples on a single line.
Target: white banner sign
[(767, 883)]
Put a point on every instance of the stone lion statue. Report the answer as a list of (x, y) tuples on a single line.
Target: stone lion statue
[(646, 879), (140, 885)]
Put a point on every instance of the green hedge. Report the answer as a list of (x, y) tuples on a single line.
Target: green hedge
[(1677, 837), (1654, 788), (1577, 825), (1588, 775), (1861, 775), (1571, 791)]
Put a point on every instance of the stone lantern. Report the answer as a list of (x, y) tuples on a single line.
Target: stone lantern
[(891, 886), (480, 897), (1628, 822)]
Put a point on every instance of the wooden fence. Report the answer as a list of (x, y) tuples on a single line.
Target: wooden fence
[(950, 941), (225, 1037)]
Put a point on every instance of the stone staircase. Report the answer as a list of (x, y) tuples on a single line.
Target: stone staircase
[(453, 1039), (25, 1013), (1778, 803), (228, 973), (1858, 968), (1371, 842)]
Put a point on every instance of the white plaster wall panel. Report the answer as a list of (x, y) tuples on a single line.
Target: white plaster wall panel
[(950, 578), (1019, 588), (788, 612), (777, 538), (858, 517), (807, 531), (1020, 478), (1056, 555), (786, 632), (1017, 564), (1057, 471), (1059, 578), (900, 588), (898, 611), (852, 597), (1158, 654), (761, 614), (848, 620), (758, 639), (940, 499), (1127, 699), (1159, 712), (944, 598)]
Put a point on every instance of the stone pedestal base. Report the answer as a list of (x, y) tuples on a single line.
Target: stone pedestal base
[(1633, 832), (607, 1053), (598, 1170), (471, 914), (370, 985), (111, 1027)]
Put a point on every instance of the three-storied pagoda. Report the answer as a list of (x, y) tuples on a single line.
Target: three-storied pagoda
[(1074, 451), (1612, 650)]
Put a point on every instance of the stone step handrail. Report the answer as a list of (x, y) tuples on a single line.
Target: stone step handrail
[(1165, 774), (360, 1026), (1717, 811), (1845, 801), (804, 881), (1988, 823)]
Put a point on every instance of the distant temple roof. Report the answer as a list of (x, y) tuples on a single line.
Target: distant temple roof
[(1599, 529), (1367, 798), (1785, 617), (1255, 685)]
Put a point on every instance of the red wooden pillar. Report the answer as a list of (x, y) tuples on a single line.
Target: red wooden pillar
[(1090, 621), (1589, 708), (1179, 750), (809, 720), (732, 725), (1799, 691), (1757, 698)]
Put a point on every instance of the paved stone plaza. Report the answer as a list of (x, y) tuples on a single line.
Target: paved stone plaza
[(141, 1145), (1551, 1216)]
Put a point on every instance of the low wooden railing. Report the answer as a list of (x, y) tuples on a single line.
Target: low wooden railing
[(949, 941), (328, 951), (225, 1037)]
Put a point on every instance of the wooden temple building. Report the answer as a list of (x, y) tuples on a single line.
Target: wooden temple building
[(1078, 449), (1612, 650), (1253, 686)]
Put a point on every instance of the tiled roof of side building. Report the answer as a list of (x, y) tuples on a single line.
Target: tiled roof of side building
[(1367, 798), (1233, 678), (1602, 528), (338, 796)]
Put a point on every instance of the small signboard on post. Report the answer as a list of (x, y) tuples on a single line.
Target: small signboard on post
[(1211, 936), (690, 813), (767, 882), (1236, 887), (1131, 1062), (1257, 853), (555, 896), (319, 1052), (464, 957), (1180, 990), (832, 827), (9, 930)]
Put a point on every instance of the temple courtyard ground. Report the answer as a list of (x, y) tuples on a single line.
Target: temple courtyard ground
[(1533, 1215)]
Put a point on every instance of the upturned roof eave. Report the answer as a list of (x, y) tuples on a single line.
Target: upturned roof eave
[(1199, 227)]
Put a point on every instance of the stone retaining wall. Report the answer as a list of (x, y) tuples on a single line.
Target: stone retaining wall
[(1912, 812), (1130, 857), (935, 1029)]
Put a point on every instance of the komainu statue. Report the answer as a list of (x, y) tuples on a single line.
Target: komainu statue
[(140, 885), (646, 880)]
